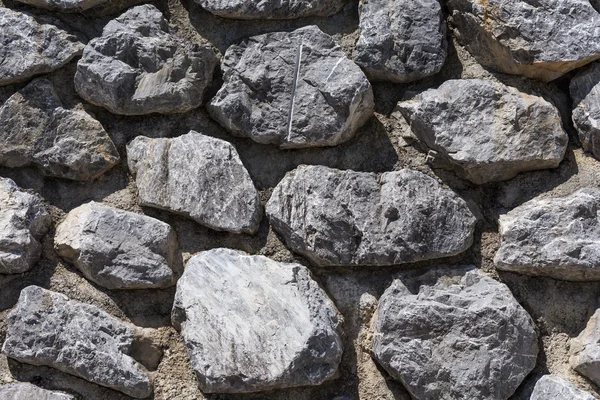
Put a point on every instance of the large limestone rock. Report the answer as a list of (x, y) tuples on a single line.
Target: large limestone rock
[(454, 334), (539, 39), (23, 222), (552, 387), (46, 328), (557, 237), (335, 217), (139, 66), (272, 9), (36, 130), (293, 89), (25, 391), (94, 7), (197, 176), (585, 92), (32, 46), (485, 130), (252, 324), (585, 350), (401, 40), (118, 249)]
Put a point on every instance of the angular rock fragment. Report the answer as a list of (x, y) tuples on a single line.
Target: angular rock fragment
[(400, 40), (585, 350), (118, 249), (539, 39), (197, 176), (23, 222), (293, 89), (585, 92), (557, 237), (99, 7), (272, 9), (27, 391), (139, 66), (552, 387), (36, 130), (487, 131), (335, 217), (46, 328), (31, 48), (253, 324), (454, 334)]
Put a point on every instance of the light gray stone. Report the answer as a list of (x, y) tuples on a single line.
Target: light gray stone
[(139, 66), (35, 130), (401, 40), (487, 131), (272, 9), (251, 324), (27, 391), (23, 221), (557, 237), (585, 92), (98, 7), (47, 328), (335, 217), (541, 39), (293, 89), (197, 176), (585, 350), (118, 249), (552, 387), (454, 334), (32, 46)]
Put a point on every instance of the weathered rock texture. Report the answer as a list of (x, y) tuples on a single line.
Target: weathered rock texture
[(252, 324), (118, 249), (23, 222), (538, 39), (585, 92), (485, 130), (552, 387), (272, 9), (401, 41), (139, 66), (335, 217), (585, 350), (196, 176), (294, 89), (557, 237), (36, 130), (32, 46), (27, 391), (97, 7), (46, 328), (457, 335)]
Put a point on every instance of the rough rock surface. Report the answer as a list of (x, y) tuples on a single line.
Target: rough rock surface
[(27, 391), (32, 46), (585, 92), (118, 249), (585, 350), (538, 39), (338, 217), (252, 324), (23, 221), (401, 41), (139, 66), (196, 176), (294, 89), (556, 237), (272, 9), (510, 132), (552, 387), (100, 7), (46, 328), (36, 130), (439, 337)]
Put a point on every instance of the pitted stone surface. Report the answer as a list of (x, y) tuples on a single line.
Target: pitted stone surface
[(454, 334), (252, 324), (335, 217), (557, 237), (487, 131), (118, 249), (46, 328), (401, 40), (585, 350), (585, 92), (139, 66), (36, 130), (293, 89), (272, 9), (197, 176), (27, 391), (552, 387), (96, 7)]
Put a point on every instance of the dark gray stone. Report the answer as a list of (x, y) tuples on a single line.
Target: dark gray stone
[(585, 92), (272, 9), (27, 391), (97, 7), (552, 387)]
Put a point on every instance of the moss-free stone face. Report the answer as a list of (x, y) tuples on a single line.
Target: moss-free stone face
[(272, 9), (24, 391), (585, 92), (553, 387)]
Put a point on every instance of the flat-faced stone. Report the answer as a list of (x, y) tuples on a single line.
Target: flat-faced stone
[(585, 92), (552, 387), (27, 391), (272, 9), (585, 350)]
